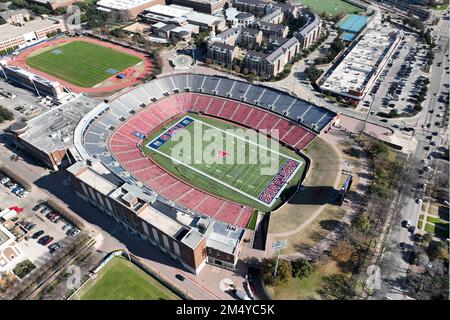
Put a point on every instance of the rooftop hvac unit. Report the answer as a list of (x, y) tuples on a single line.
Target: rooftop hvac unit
[(176, 90)]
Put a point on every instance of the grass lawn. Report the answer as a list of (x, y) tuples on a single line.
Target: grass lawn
[(318, 184), (225, 167), (331, 7), (439, 230), (306, 288), (82, 63), (122, 280), (252, 223)]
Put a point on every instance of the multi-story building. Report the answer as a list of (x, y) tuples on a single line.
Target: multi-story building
[(244, 37), (271, 29), (13, 36), (311, 30), (204, 6), (190, 240), (261, 8), (275, 16), (237, 18), (272, 64), (221, 53)]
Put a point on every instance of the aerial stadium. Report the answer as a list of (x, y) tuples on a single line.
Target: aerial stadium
[(118, 134)]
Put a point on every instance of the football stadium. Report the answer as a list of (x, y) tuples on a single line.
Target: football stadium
[(126, 135), (85, 65)]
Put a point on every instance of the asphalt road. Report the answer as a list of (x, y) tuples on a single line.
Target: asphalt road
[(393, 279)]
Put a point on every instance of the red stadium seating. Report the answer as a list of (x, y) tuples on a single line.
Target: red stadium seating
[(123, 146)]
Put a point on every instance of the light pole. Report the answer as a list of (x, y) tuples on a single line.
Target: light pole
[(367, 116)]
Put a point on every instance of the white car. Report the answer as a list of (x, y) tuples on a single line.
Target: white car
[(5, 180), (419, 201)]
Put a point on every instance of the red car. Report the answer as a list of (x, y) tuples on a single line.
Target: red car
[(45, 240)]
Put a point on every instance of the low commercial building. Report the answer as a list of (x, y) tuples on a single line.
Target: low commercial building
[(204, 6), (128, 9), (182, 15), (355, 72), (221, 53), (20, 36)]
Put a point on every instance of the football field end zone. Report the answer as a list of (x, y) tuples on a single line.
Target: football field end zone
[(266, 193)]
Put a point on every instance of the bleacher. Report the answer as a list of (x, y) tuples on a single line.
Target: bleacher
[(110, 136)]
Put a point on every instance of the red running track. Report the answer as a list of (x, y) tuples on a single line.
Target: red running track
[(133, 76)]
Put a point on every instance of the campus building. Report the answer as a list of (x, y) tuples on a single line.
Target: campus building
[(181, 16), (221, 53), (192, 241), (354, 73), (204, 6), (244, 37), (20, 36), (272, 64), (128, 9), (311, 30), (54, 4)]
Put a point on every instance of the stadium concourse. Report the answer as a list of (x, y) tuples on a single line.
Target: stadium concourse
[(113, 130)]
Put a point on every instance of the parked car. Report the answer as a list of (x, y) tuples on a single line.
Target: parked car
[(45, 240), (67, 226), (54, 247), (5, 180), (73, 232), (30, 225), (37, 234), (180, 277), (37, 207)]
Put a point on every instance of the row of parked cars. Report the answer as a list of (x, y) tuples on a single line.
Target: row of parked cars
[(15, 188), (56, 217), (46, 240)]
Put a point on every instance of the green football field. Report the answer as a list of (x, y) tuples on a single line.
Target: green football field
[(122, 280), (82, 63), (331, 7), (228, 164)]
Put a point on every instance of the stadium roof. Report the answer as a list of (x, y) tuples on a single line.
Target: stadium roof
[(61, 120)]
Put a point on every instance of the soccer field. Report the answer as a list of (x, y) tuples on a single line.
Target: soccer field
[(225, 160), (331, 7), (122, 280), (82, 63)]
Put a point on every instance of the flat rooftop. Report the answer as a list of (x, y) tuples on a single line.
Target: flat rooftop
[(352, 73), (224, 237), (123, 4), (172, 11), (45, 129), (8, 31)]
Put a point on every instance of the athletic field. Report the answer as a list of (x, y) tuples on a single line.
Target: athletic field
[(225, 160), (82, 63), (331, 7), (122, 280)]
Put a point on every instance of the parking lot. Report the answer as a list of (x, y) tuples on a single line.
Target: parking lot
[(40, 230), (400, 82)]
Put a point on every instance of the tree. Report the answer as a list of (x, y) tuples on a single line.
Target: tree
[(302, 268), (208, 61), (284, 271), (342, 252), (437, 250), (361, 222), (236, 68), (336, 286)]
